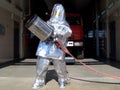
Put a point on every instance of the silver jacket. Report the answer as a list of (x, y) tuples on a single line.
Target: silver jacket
[(47, 48)]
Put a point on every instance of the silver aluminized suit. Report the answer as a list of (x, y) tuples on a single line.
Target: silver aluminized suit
[(47, 50)]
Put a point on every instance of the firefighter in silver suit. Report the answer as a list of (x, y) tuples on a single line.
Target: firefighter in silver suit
[(47, 51)]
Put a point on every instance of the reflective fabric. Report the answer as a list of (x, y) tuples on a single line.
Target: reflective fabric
[(47, 50), (58, 13), (42, 67)]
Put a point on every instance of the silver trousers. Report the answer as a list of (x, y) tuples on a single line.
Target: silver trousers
[(59, 66)]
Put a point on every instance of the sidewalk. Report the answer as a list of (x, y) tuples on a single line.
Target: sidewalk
[(21, 76)]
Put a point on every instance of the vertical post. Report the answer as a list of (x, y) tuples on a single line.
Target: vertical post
[(107, 28), (21, 39), (97, 29)]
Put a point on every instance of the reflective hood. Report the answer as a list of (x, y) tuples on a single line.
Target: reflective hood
[(58, 13)]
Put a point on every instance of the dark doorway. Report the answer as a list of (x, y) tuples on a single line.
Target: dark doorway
[(16, 41), (112, 40), (34, 41)]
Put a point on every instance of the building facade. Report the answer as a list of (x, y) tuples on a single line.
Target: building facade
[(12, 43), (109, 17)]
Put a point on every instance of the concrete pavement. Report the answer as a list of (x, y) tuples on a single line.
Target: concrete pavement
[(20, 76)]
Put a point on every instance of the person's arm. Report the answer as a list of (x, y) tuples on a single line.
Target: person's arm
[(63, 31)]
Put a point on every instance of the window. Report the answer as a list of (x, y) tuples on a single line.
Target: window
[(2, 30)]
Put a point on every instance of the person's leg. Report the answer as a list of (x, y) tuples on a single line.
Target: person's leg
[(60, 67), (41, 70)]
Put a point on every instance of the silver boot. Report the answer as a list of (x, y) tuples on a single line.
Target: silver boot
[(38, 83), (63, 82)]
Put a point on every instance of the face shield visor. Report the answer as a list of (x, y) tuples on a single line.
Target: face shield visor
[(56, 13)]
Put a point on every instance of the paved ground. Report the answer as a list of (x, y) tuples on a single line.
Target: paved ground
[(21, 76)]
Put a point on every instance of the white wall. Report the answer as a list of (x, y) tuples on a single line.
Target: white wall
[(9, 14), (6, 40)]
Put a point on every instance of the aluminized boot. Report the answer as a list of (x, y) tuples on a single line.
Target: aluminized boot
[(63, 82), (38, 83)]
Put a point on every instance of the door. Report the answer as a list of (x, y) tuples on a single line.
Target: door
[(112, 40), (16, 41)]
